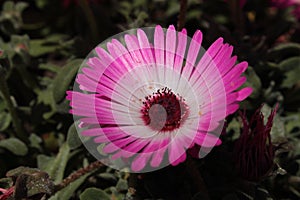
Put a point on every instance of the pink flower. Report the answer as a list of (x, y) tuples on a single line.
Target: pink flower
[(146, 102), (254, 151)]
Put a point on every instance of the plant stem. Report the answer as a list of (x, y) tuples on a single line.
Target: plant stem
[(20, 133), (182, 14), (236, 15), (90, 19), (75, 175), (196, 178)]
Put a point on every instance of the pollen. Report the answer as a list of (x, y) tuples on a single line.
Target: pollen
[(164, 111)]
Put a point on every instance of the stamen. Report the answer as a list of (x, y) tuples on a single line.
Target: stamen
[(164, 111)]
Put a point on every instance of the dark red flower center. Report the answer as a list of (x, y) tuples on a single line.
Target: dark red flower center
[(164, 111)]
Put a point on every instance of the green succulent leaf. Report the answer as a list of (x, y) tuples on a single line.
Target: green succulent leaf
[(35, 141), (68, 191), (94, 194), (21, 6), (122, 185), (108, 176), (291, 67), (253, 81), (39, 48), (15, 146), (5, 120), (8, 6), (73, 139), (64, 78), (50, 67), (284, 50), (278, 130), (55, 167)]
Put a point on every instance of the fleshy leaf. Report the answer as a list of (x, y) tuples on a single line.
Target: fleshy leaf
[(253, 81), (73, 139), (5, 120), (291, 67), (122, 185), (92, 193), (64, 78), (278, 130), (55, 167), (68, 191), (15, 146)]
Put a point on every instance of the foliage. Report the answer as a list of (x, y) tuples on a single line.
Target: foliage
[(40, 54)]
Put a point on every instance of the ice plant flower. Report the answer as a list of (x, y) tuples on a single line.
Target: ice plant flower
[(148, 96), (254, 151)]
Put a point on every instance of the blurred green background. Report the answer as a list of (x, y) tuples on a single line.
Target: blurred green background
[(42, 44)]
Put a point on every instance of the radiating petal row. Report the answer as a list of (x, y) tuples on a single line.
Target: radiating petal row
[(115, 82)]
